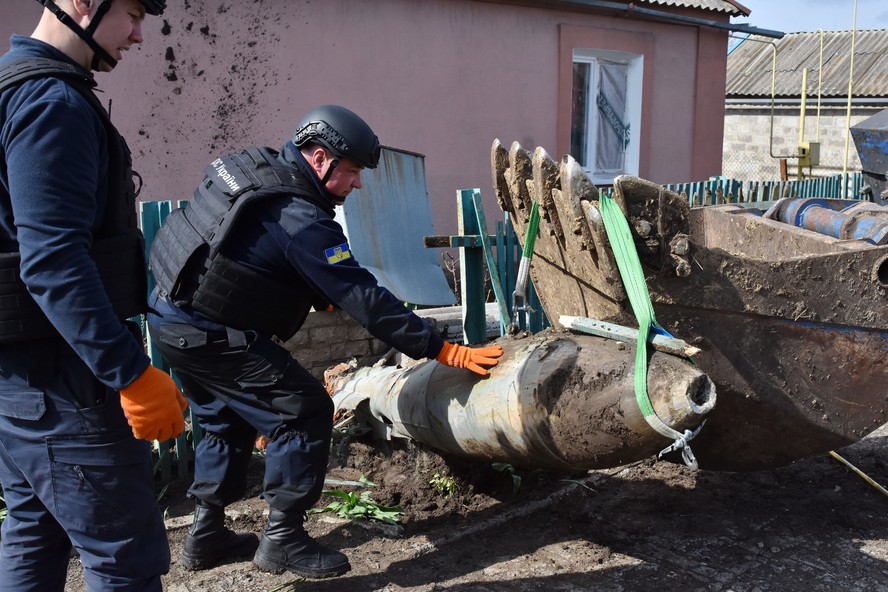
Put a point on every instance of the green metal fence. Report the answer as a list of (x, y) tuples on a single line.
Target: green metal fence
[(490, 258), (175, 457), (761, 194)]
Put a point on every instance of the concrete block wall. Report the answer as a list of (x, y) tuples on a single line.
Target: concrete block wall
[(747, 140), (328, 338)]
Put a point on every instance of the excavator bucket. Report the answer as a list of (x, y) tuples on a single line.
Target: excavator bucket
[(792, 323)]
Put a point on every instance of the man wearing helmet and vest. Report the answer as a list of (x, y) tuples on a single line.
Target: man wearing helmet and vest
[(79, 400), (254, 251)]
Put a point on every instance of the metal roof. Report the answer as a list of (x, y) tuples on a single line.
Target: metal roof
[(733, 8), (750, 65)]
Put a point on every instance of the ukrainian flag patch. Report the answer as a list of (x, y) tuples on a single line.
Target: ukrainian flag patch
[(338, 253)]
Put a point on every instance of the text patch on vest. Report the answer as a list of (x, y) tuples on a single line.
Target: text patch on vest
[(229, 177)]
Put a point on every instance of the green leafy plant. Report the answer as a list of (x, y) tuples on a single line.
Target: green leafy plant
[(580, 483), (509, 470), (444, 484), (353, 506), (160, 495)]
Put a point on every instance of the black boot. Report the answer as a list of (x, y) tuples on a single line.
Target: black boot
[(286, 546), (209, 542)]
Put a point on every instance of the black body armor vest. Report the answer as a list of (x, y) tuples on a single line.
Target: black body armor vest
[(185, 255), (118, 245)]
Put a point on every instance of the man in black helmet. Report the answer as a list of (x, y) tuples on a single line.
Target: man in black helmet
[(244, 263), (79, 400)]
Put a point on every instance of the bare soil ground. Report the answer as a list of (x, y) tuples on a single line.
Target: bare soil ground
[(813, 526)]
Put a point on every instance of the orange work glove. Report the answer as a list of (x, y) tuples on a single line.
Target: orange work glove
[(473, 358), (153, 406)]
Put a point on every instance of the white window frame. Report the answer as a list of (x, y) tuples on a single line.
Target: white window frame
[(634, 81)]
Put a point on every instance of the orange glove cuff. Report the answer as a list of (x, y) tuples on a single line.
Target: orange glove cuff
[(153, 406)]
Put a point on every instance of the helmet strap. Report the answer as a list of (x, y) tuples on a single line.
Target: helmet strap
[(99, 52), (333, 164)]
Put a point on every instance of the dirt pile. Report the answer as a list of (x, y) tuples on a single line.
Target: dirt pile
[(812, 526)]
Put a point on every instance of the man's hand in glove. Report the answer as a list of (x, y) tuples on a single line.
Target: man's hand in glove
[(153, 406), (473, 358)]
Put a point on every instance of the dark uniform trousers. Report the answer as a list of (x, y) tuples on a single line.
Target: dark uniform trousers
[(69, 463), (240, 383)]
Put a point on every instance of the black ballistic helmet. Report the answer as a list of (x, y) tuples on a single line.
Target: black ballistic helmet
[(152, 7), (341, 132)]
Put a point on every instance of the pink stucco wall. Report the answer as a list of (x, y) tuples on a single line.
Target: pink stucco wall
[(439, 77)]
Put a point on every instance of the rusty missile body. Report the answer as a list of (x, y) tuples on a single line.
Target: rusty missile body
[(556, 401)]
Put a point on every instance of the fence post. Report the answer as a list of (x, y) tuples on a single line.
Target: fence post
[(471, 271), (491, 263), (512, 261)]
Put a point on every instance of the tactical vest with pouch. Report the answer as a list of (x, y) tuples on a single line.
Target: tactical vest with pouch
[(118, 245), (186, 257)]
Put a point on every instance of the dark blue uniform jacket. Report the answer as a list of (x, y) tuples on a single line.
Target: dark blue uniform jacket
[(53, 191), (298, 242)]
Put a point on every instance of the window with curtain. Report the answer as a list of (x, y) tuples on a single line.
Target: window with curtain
[(606, 112)]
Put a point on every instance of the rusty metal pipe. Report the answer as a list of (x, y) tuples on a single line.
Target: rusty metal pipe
[(556, 401), (839, 218)]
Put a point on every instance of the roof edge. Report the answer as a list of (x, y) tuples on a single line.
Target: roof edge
[(622, 6), (743, 11)]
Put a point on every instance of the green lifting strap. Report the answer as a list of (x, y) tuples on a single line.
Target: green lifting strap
[(620, 238)]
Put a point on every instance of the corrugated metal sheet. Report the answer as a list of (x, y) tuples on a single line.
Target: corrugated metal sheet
[(385, 222), (731, 7), (713, 5), (750, 65)]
